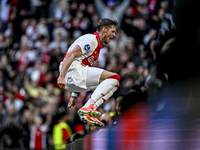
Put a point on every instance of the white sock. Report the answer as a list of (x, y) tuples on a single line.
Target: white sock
[(102, 90), (104, 98)]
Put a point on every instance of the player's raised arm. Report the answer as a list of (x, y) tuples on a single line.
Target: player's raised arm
[(71, 55)]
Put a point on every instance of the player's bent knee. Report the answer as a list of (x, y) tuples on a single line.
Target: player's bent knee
[(116, 76)]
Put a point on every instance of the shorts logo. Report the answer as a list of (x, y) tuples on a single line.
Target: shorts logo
[(87, 47)]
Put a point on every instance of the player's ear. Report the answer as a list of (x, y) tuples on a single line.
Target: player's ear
[(104, 29)]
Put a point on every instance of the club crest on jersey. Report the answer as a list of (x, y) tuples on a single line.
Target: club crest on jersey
[(87, 47)]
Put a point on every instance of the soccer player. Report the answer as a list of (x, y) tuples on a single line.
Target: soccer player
[(76, 75)]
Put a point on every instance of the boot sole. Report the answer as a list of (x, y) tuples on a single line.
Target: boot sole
[(92, 123), (89, 113)]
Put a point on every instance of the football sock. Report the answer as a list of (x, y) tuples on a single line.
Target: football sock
[(104, 90), (105, 98)]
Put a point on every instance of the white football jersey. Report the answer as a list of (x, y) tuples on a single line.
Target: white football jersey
[(90, 46)]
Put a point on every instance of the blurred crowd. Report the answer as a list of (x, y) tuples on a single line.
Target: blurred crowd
[(35, 35)]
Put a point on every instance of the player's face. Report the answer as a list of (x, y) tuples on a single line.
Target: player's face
[(110, 33)]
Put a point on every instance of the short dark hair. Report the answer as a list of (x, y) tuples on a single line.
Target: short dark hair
[(105, 22)]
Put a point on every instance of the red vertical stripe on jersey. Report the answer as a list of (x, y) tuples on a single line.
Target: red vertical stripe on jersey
[(95, 55), (38, 139), (98, 39)]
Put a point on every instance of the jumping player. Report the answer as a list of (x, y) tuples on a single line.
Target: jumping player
[(76, 75)]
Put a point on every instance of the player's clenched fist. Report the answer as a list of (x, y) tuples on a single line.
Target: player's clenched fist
[(61, 82)]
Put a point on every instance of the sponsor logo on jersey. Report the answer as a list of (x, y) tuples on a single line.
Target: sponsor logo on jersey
[(91, 59), (87, 47)]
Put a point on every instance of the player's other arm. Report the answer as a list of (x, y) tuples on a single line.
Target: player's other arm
[(75, 52), (72, 100)]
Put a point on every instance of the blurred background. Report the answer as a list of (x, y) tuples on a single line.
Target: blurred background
[(155, 51)]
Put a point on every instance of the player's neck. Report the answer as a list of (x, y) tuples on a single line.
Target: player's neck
[(101, 35)]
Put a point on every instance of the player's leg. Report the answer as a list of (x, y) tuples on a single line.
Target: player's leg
[(104, 98), (107, 78), (93, 78), (109, 82)]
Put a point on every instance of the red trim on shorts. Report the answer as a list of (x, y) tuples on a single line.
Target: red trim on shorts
[(117, 77), (117, 86)]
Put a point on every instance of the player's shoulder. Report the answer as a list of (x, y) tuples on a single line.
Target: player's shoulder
[(89, 37), (87, 42)]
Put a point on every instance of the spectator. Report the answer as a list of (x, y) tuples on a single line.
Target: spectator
[(41, 8), (20, 31), (11, 99), (9, 31), (61, 131), (140, 29), (130, 49), (143, 58), (156, 20), (67, 16), (11, 131), (117, 114), (8, 12), (127, 21), (129, 70), (150, 36), (75, 30), (32, 88), (38, 132), (59, 30), (42, 27), (112, 65), (126, 85), (90, 11), (57, 109), (2, 113), (110, 10), (93, 25), (21, 56), (31, 30), (142, 75), (60, 37), (57, 9), (56, 56), (2, 44), (23, 10), (27, 119)]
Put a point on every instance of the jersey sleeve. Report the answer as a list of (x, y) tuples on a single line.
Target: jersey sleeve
[(88, 44)]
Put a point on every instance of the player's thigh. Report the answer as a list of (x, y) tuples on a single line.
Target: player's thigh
[(93, 76), (105, 74)]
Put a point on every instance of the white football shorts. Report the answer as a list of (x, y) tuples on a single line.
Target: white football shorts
[(80, 78)]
